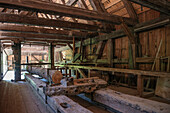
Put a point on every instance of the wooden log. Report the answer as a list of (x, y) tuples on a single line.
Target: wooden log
[(57, 103), (129, 104)]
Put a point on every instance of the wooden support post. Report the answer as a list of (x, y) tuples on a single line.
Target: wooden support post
[(69, 72), (140, 85), (168, 65), (73, 48), (60, 56), (27, 61), (89, 73), (51, 56), (66, 72), (132, 45), (99, 51), (0, 63), (77, 74), (17, 60), (110, 52)]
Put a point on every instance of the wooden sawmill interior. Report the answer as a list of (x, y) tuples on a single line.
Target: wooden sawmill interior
[(85, 56)]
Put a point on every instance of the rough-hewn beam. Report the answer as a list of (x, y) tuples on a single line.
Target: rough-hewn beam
[(19, 28), (17, 57), (130, 9), (63, 10), (162, 6), (20, 19), (71, 2), (35, 40), (30, 35), (130, 71)]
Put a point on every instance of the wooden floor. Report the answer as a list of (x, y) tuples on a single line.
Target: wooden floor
[(19, 98)]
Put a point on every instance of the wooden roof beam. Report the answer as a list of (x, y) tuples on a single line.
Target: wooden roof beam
[(35, 40), (63, 10), (71, 2), (30, 35), (130, 9), (162, 6), (20, 19), (29, 29)]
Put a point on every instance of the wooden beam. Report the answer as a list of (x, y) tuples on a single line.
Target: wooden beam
[(29, 29), (140, 85), (0, 62), (130, 71), (162, 6), (35, 63), (81, 72), (35, 58), (71, 2), (52, 55), (35, 40), (58, 9), (130, 9), (110, 52), (20, 19), (160, 22), (17, 57), (36, 36), (71, 48)]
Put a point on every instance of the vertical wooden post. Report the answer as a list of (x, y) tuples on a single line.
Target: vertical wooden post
[(17, 60), (27, 61), (89, 73), (168, 65), (140, 85), (73, 48), (110, 52), (66, 71), (69, 72), (77, 74), (51, 55), (0, 63)]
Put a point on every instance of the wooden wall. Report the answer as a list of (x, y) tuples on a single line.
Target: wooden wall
[(149, 42)]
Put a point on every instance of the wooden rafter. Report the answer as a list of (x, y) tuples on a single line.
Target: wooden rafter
[(63, 10), (162, 6), (12, 18), (36, 36), (35, 40), (29, 29), (130, 9)]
